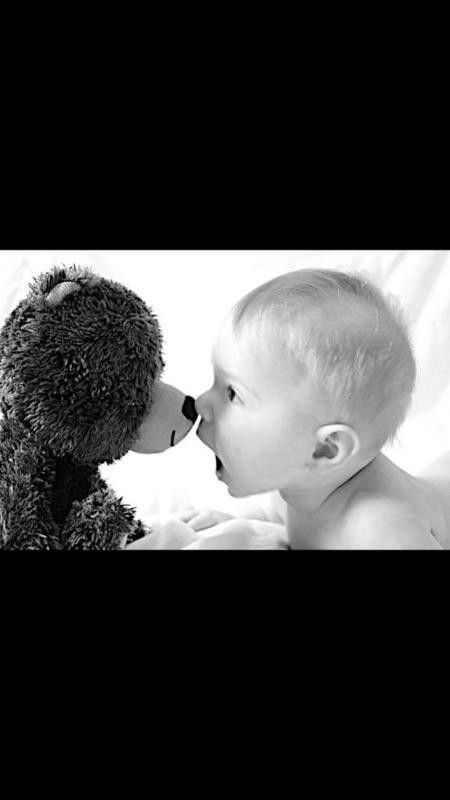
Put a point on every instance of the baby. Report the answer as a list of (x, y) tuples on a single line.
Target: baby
[(313, 374)]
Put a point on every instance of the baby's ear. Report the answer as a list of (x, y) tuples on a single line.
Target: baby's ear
[(60, 291), (326, 449), (335, 444)]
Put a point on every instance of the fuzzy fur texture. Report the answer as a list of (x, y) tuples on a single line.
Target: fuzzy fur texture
[(78, 360)]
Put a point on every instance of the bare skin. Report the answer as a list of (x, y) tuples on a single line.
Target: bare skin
[(338, 491), (381, 507), (331, 486)]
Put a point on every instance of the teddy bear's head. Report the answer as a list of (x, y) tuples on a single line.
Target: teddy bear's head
[(80, 366)]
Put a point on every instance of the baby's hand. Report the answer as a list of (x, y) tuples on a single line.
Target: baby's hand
[(168, 533), (200, 518)]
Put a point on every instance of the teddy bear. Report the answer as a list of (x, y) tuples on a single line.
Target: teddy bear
[(80, 385)]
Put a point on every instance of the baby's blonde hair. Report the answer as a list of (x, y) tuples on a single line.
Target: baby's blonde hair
[(345, 336)]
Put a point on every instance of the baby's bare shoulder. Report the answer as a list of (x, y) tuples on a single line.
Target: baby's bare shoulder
[(377, 521)]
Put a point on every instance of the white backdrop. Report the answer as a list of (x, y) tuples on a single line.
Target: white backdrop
[(191, 291)]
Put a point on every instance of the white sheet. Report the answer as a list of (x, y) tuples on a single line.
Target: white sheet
[(192, 290), (169, 533)]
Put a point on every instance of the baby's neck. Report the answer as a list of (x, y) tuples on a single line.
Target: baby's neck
[(310, 513), (317, 501)]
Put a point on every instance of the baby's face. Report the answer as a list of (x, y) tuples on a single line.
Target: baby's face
[(258, 423)]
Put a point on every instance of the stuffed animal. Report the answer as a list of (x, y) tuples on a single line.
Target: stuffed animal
[(80, 385)]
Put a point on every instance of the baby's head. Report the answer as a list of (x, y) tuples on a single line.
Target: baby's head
[(314, 373)]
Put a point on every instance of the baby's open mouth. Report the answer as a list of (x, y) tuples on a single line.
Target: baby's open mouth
[(219, 464)]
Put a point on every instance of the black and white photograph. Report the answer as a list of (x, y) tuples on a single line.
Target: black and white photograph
[(224, 400)]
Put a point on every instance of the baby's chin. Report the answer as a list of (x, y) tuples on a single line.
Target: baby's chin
[(233, 489), (240, 490), (235, 492), (236, 487)]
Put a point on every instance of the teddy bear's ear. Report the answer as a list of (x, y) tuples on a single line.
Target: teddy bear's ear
[(60, 291)]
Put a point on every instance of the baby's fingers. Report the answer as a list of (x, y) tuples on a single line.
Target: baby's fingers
[(186, 514), (207, 518), (201, 520)]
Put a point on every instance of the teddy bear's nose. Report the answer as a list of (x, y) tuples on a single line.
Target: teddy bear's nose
[(188, 410)]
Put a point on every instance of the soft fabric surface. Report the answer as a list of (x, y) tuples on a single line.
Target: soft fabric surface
[(169, 533), (191, 291)]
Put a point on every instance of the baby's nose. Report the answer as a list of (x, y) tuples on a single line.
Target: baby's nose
[(188, 409), (202, 406)]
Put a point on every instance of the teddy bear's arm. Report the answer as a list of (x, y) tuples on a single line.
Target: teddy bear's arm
[(26, 521), (137, 529), (140, 530), (22, 529), (99, 522)]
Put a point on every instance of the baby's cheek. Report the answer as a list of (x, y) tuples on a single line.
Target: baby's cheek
[(241, 445)]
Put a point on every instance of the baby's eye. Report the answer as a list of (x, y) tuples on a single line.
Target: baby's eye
[(231, 394)]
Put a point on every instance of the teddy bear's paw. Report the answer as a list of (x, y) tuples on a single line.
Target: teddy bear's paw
[(139, 531), (99, 522)]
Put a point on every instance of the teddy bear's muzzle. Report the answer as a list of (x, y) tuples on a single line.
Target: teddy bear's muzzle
[(171, 417)]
